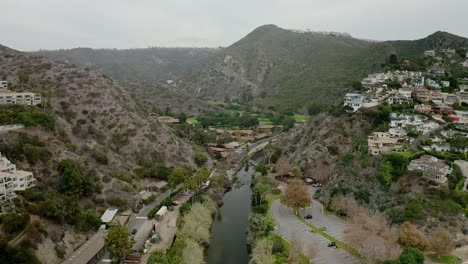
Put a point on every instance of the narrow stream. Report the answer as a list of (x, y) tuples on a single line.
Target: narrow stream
[(228, 243)]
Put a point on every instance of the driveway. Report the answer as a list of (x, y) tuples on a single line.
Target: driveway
[(415, 144), (292, 229)]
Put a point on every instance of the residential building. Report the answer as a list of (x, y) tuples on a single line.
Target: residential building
[(423, 94), (423, 108), (432, 168), (462, 117), (406, 93), (12, 180), (463, 97), (353, 100), (465, 64), (449, 51), (442, 146), (463, 88), (443, 109), (437, 71), (449, 99), (445, 83), (430, 53), (168, 120), (397, 132), (382, 142), (437, 97), (432, 84), (22, 98), (3, 86)]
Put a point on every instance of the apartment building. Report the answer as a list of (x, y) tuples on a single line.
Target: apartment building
[(22, 98), (12, 180)]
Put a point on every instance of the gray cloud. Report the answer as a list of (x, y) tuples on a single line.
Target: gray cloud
[(55, 24)]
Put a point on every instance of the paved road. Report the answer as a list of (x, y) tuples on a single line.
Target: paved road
[(415, 144), (291, 228)]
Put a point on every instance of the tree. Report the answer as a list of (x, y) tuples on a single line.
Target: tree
[(73, 182), (13, 222), (411, 256), (296, 195), (393, 59), (118, 243), (442, 241), (178, 175), (88, 220), (262, 252), (200, 159), (272, 153), (192, 253), (410, 236), (296, 171), (260, 189), (282, 167)]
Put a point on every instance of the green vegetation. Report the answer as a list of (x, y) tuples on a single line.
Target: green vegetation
[(445, 259), (192, 120), (301, 118), (227, 120), (11, 255), (26, 115), (13, 223), (25, 147), (408, 256), (73, 181), (118, 243)]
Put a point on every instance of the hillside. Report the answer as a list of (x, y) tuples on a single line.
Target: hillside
[(282, 68), (150, 64), (93, 117)]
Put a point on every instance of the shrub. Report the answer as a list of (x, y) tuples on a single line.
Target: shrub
[(347, 158), (101, 158), (13, 223), (200, 159)]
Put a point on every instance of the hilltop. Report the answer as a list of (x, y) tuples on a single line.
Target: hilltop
[(281, 68), (150, 64)]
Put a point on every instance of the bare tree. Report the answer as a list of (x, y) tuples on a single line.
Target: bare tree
[(282, 166), (410, 236), (442, 241), (372, 236)]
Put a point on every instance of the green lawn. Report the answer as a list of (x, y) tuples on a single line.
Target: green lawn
[(444, 259), (192, 120), (265, 122), (301, 118)]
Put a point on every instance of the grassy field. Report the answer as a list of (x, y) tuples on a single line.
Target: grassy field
[(192, 121), (444, 259), (301, 118), (265, 122)]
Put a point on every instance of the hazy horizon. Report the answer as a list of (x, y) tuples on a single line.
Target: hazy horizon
[(31, 25)]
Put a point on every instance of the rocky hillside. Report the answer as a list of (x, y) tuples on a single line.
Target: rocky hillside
[(97, 123), (287, 69), (150, 64)]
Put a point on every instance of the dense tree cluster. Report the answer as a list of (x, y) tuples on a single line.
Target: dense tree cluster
[(26, 115)]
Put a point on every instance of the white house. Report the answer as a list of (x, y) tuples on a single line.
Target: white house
[(12, 180), (353, 100), (430, 53), (24, 98), (432, 168), (445, 83), (3, 86)]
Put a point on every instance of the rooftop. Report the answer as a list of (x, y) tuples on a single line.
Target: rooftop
[(108, 215)]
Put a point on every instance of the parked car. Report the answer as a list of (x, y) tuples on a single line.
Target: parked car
[(175, 202), (332, 244), (317, 184), (309, 216), (134, 231)]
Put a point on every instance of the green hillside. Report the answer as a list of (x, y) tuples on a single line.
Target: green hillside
[(275, 67)]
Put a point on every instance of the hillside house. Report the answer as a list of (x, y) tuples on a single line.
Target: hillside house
[(168, 120), (432, 84), (434, 169), (422, 94), (382, 142), (463, 97), (445, 83), (429, 53), (23, 98), (437, 97), (354, 101), (449, 98), (465, 63), (444, 109), (437, 72), (423, 108)]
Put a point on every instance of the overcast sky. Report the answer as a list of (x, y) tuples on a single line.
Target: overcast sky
[(53, 24)]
